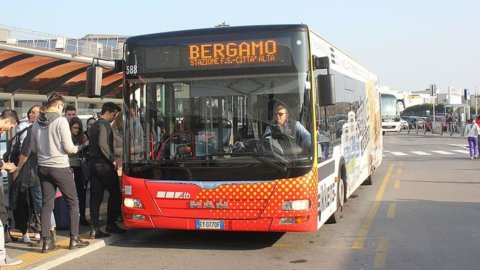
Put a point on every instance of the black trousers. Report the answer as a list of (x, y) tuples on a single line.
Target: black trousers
[(81, 189), (103, 176), (50, 179)]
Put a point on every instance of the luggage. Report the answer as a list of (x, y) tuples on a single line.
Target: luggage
[(61, 213)]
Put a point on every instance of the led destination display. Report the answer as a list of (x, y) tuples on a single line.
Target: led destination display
[(234, 53), (197, 56)]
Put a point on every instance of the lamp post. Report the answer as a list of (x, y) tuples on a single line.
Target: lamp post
[(476, 102), (433, 87)]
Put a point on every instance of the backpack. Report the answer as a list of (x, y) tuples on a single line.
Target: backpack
[(14, 147)]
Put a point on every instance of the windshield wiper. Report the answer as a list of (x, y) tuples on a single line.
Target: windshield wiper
[(282, 168)]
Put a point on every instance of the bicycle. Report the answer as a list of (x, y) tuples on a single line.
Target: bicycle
[(404, 128)]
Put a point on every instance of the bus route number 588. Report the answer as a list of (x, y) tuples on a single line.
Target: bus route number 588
[(131, 70)]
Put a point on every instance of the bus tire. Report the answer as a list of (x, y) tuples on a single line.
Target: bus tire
[(368, 181), (335, 217)]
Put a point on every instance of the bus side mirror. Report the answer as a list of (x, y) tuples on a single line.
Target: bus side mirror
[(326, 89)]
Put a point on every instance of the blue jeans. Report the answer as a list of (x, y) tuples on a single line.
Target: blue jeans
[(472, 143)]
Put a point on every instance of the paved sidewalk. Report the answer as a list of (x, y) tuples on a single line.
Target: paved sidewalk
[(33, 258)]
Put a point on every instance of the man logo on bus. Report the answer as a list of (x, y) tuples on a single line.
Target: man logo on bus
[(208, 204)]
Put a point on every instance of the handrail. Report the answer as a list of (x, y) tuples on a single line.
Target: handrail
[(100, 46)]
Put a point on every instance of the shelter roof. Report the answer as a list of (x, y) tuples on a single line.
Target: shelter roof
[(38, 71)]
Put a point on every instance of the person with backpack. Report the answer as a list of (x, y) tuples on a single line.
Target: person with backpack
[(472, 131)]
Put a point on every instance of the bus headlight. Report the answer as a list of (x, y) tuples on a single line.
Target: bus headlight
[(296, 205), (132, 203)]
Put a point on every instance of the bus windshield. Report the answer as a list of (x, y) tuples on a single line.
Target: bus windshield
[(215, 128), (389, 107)]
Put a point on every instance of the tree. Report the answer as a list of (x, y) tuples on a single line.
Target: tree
[(421, 109)]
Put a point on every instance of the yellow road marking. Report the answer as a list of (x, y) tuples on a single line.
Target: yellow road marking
[(397, 184), (399, 171), (381, 254), (391, 210), (362, 234)]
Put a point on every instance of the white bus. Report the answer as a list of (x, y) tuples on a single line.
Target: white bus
[(391, 108)]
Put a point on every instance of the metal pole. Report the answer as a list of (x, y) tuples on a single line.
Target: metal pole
[(433, 104), (476, 103)]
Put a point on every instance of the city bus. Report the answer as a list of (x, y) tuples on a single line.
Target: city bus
[(198, 104)]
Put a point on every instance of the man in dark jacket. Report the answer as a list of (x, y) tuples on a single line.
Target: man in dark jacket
[(103, 175), (8, 120)]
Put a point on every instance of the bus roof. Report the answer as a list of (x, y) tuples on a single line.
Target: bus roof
[(221, 31)]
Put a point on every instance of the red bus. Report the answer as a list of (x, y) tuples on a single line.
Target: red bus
[(202, 150)]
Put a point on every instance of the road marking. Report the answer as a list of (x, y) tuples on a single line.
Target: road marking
[(397, 184), (442, 152), (399, 171), (462, 151), (460, 145), (381, 254), (399, 153), (391, 210), (367, 223), (421, 153)]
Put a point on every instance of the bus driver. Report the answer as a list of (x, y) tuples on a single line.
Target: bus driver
[(291, 129)]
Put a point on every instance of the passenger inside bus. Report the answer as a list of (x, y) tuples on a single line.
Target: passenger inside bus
[(286, 137), (136, 132)]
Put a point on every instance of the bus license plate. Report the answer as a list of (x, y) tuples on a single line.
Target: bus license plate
[(202, 224)]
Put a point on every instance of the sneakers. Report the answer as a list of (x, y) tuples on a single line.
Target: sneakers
[(9, 261), (26, 238), (37, 237)]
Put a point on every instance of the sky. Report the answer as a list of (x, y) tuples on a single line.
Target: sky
[(409, 44)]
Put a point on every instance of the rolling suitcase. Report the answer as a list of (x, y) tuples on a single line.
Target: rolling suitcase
[(61, 213)]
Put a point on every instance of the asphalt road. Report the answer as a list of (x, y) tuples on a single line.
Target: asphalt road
[(422, 212)]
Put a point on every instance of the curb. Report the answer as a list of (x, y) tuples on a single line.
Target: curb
[(68, 255)]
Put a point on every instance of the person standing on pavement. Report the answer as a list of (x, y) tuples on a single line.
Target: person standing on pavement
[(8, 120), (472, 132), (26, 174), (30, 181), (478, 137), (103, 174), (79, 138), (52, 141)]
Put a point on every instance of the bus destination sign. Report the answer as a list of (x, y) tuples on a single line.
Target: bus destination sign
[(192, 56), (234, 53)]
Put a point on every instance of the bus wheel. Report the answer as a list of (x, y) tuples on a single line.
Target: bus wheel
[(335, 217), (368, 181)]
